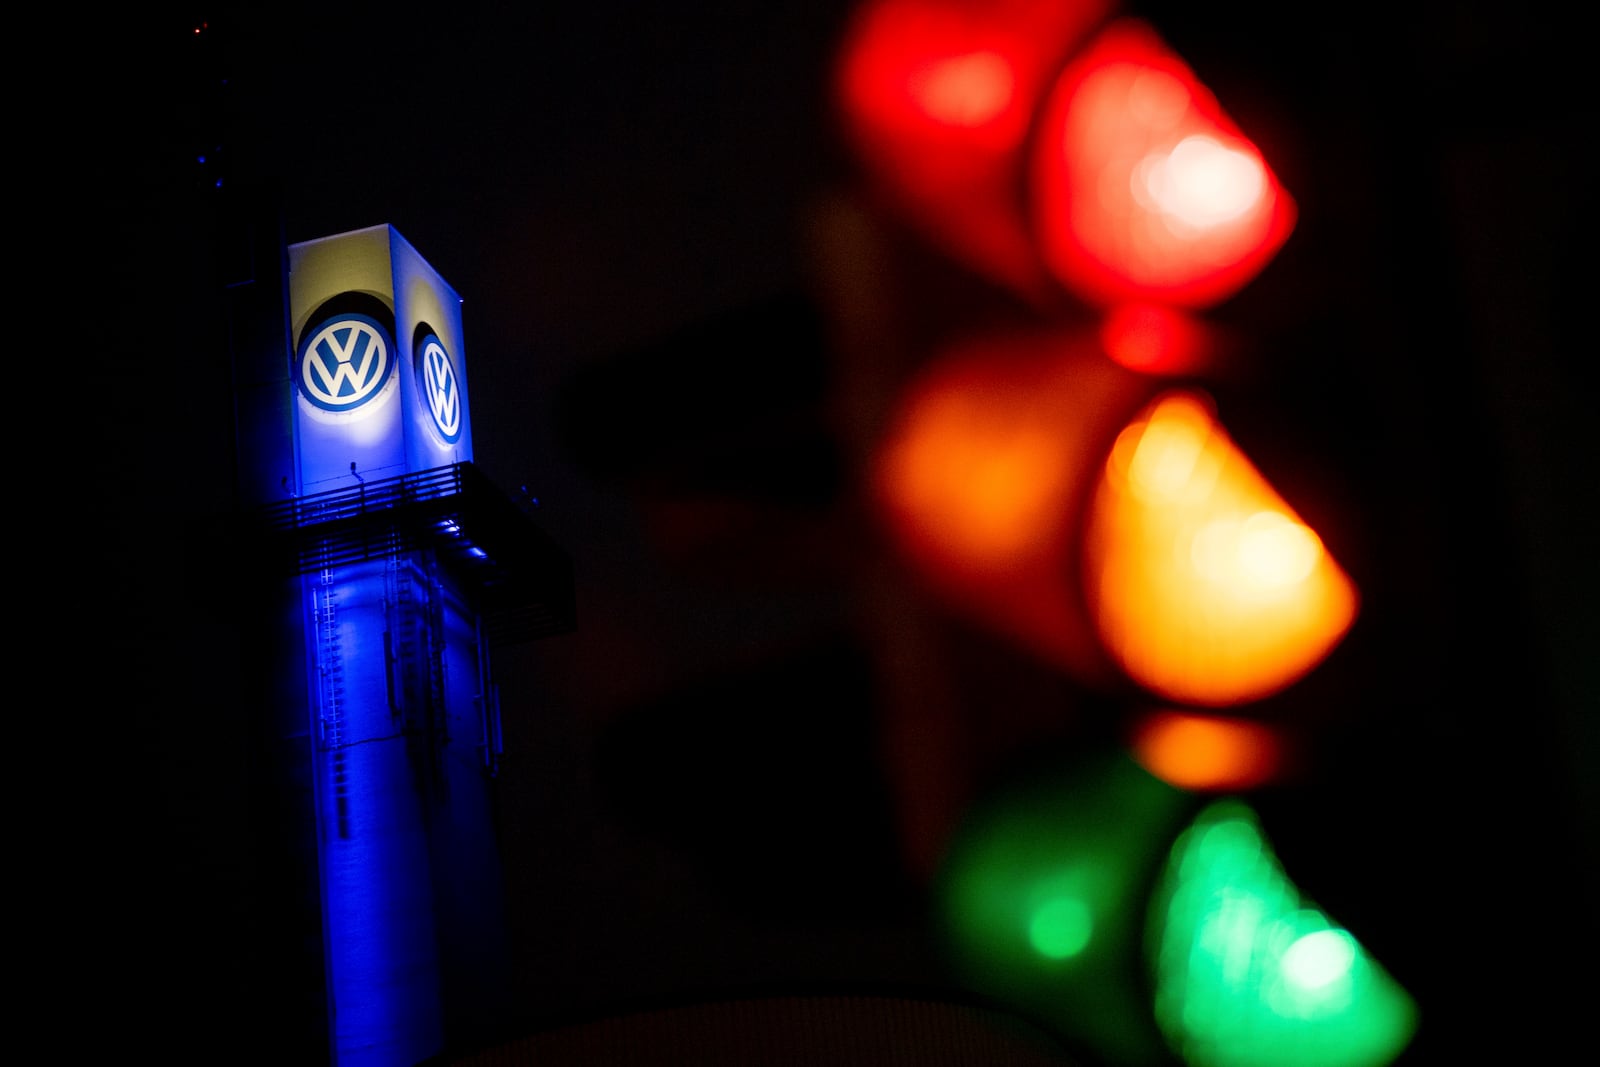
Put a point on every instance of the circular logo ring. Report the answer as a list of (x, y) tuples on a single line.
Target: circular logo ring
[(440, 386), (344, 362)]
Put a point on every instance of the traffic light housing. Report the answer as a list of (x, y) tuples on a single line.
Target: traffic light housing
[(1144, 922), (1058, 149), (1064, 477), (1105, 520)]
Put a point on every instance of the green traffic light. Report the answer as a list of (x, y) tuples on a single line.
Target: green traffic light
[(1042, 896), (1061, 927), (1248, 974), (1093, 898)]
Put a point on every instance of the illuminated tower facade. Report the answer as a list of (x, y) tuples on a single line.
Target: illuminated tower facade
[(396, 568)]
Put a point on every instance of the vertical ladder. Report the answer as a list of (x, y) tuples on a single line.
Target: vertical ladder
[(438, 716), (330, 667)]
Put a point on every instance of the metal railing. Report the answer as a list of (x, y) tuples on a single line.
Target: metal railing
[(520, 578)]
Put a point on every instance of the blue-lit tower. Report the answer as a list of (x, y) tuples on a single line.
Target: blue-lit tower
[(393, 568)]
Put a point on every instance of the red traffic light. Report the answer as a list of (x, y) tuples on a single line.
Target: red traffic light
[(937, 98), (1142, 188), (1051, 150)]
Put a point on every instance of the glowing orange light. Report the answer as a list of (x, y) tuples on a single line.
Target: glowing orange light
[(1204, 585), (982, 475), (1142, 188), (993, 471), (1206, 753)]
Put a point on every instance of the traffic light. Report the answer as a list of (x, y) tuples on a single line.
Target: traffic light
[(1056, 146), (937, 100), (1145, 921), (1063, 477), (1106, 520), (1140, 187), (1205, 585)]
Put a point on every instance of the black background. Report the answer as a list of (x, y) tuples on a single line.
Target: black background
[(695, 797)]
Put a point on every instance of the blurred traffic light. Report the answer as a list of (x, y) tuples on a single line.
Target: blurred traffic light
[(1054, 147), (980, 474), (1042, 899), (938, 100), (1204, 584), (1141, 187), (1145, 921), (1248, 973), (1106, 521), (1065, 479), (1068, 153)]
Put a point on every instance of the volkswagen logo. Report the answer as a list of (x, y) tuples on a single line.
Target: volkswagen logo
[(440, 386), (344, 362)]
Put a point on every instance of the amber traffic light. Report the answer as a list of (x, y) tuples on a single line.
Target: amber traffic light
[(1106, 521)]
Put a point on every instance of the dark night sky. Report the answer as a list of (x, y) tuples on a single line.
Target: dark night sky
[(622, 194)]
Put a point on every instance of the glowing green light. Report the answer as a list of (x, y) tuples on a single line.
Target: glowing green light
[(1061, 928), (1318, 959), (1247, 974), (1043, 899)]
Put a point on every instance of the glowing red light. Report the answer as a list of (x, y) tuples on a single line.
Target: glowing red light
[(1156, 339), (973, 91), (1049, 154), (937, 98), (1142, 188)]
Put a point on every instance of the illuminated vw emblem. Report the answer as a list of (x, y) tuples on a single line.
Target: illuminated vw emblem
[(436, 377), (344, 363)]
